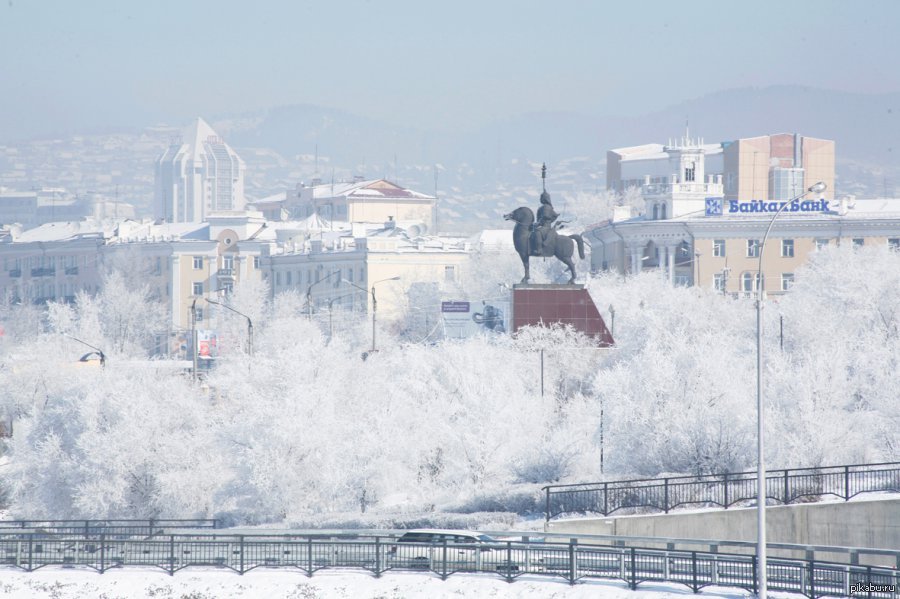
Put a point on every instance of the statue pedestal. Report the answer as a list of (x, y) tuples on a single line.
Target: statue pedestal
[(546, 305)]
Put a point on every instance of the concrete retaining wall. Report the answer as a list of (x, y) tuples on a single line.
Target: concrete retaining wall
[(861, 523)]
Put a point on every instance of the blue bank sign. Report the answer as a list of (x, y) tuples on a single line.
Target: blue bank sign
[(717, 206)]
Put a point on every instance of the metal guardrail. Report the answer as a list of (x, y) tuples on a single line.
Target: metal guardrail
[(90, 528), (572, 561), (722, 490)]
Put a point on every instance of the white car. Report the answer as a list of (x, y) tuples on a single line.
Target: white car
[(429, 549)]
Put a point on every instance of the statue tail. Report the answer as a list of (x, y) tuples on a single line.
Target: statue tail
[(580, 243)]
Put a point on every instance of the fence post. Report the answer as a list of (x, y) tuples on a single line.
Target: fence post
[(726, 491), (606, 499), (171, 555), (509, 566), (633, 583), (309, 556), (31, 552), (666, 495), (786, 499), (754, 562), (87, 528), (377, 557), (241, 543), (846, 483), (694, 586), (812, 579), (444, 566), (102, 553), (572, 566)]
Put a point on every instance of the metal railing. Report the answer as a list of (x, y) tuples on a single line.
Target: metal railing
[(722, 490), (94, 528), (379, 553)]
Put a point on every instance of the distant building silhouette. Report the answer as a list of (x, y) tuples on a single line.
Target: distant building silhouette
[(198, 176)]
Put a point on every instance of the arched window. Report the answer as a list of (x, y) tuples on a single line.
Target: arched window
[(663, 212), (655, 211)]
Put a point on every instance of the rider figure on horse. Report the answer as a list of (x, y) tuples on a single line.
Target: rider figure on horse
[(543, 227)]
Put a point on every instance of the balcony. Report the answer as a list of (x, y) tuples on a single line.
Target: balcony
[(225, 273), (71, 270), (43, 272), (15, 273)]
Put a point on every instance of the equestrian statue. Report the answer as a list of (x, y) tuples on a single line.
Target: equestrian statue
[(541, 238)]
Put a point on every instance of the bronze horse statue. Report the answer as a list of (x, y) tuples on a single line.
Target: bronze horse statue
[(560, 246)]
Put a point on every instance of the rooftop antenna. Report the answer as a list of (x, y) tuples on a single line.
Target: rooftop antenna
[(687, 132)]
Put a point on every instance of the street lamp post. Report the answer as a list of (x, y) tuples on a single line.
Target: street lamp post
[(97, 349), (330, 318), (762, 582), (374, 302), (194, 341), (249, 324), (309, 293)]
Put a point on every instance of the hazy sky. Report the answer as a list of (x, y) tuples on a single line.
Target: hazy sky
[(75, 65)]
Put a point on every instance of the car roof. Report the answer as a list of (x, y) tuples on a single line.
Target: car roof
[(443, 531)]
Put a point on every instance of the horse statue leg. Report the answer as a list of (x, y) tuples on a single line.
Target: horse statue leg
[(570, 264), (524, 256)]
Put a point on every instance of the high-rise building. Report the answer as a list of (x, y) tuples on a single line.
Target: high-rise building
[(198, 176)]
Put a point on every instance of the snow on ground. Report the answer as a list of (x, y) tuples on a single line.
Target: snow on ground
[(202, 583)]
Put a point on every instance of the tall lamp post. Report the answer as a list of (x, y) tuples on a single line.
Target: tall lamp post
[(762, 583), (249, 324), (99, 351), (309, 293), (374, 301), (194, 347)]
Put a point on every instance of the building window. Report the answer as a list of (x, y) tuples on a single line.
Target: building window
[(787, 280), (689, 173), (449, 273), (655, 211), (787, 248), (749, 282), (858, 242), (228, 262), (277, 279), (719, 282), (198, 289), (821, 244), (287, 277), (894, 244), (158, 269), (198, 262), (719, 248), (350, 274), (753, 248), (256, 262)]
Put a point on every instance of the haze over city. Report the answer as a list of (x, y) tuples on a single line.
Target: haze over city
[(79, 66)]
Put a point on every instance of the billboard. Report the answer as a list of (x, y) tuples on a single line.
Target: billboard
[(464, 319)]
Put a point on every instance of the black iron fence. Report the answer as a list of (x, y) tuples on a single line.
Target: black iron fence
[(378, 554), (722, 490), (93, 528)]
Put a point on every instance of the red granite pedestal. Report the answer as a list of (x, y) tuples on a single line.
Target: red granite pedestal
[(546, 305)]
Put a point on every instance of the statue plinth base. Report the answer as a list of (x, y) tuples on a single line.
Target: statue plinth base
[(546, 305)]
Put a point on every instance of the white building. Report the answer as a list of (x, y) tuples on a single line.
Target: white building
[(198, 177)]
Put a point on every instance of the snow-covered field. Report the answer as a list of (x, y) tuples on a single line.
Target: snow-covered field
[(58, 583)]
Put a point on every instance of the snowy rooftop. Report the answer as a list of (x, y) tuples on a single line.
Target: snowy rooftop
[(375, 188)]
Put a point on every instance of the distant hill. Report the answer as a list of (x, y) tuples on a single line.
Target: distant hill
[(866, 129)]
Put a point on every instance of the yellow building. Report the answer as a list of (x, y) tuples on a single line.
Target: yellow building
[(719, 249)]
